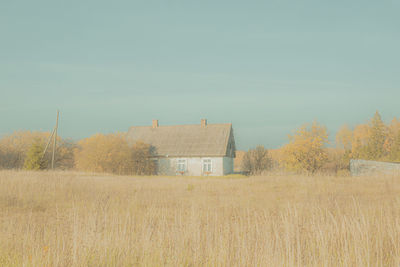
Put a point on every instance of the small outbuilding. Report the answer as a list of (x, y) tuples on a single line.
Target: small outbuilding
[(194, 150), (359, 167)]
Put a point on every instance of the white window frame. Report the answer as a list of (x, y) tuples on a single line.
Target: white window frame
[(180, 163), (207, 162)]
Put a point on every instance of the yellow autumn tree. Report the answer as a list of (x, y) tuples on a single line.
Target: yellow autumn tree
[(392, 143), (14, 149), (103, 153), (377, 136), (344, 138), (306, 151), (339, 157), (361, 136), (394, 153), (392, 130), (112, 154), (370, 139), (34, 158)]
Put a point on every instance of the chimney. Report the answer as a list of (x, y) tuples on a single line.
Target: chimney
[(155, 123), (203, 122)]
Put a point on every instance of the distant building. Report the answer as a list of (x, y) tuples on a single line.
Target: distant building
[(194, 150), (360, 167)]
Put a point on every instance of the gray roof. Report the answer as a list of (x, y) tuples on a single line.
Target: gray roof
[(186, 140)]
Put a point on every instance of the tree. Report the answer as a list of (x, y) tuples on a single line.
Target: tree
[(392, 142), (394, 153), (112, 154), (103, 153), (142, 162), (306, 150), (370, 140), (34, 158), (361, 135), (344, 138), (377, 137), (339, 157), (256, 161), (16, 145), (65, 158), (338, 160)]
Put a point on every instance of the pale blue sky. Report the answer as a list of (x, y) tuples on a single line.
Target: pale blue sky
[(265, 66)]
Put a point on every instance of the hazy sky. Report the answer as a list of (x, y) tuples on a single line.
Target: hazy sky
[(265, 66)]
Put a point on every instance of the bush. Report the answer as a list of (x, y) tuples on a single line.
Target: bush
[(34, 158), (14, 149), (112, 154), (256, 161), (142, 163), (65, 158), (306, 151)]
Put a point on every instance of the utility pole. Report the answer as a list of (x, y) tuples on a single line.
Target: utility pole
[(48, 143), (54, 142)]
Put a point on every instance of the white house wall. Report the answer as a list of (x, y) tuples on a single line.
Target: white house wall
[(194, 166)]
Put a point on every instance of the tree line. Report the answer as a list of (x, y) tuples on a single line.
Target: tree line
[(309, 151), (99, 153)]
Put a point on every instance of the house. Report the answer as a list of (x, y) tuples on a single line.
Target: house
[(195, 150)]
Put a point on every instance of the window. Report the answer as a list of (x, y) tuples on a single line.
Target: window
[(181, 165), (207, 166)]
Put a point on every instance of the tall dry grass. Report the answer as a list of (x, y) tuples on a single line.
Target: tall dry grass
[(72, 219)]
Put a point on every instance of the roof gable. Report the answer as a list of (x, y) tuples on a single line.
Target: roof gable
[(185, 140)]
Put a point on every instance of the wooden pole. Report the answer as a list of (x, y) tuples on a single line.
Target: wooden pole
[(54, 142), (48, 142)]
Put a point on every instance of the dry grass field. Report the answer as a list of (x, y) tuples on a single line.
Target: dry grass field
[(75, 219)]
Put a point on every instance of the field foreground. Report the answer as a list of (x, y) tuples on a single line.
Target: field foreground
[(74, 219)]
